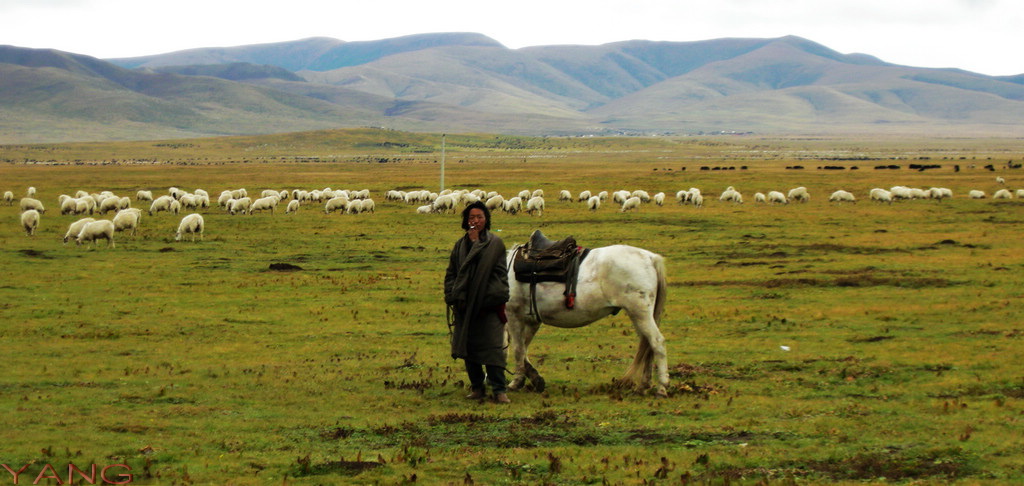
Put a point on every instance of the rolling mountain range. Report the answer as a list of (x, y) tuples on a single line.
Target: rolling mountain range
[(464, 82)]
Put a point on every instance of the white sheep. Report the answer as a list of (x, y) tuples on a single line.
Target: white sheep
[(494, 202), (799, 194), (629, 204), (1019, 193), (175, 206), (76, 228), (240, 205), (224, 200), (976, 194), (124, 203), (264, 203), (444, 203), (31, 192), (644, 197), (293, 206), (189, 201), (880, 195), (697, 199), (193, 224), (901, 192), (841, 196), (108, 204), (759, 197), (731, 194), (95, 230), (1002, 194), (30, 203), (939, 193), (9, 198), (30, 221), (776, 197), (603, 195), (619, 197), (564, 195), (594, 203), (69, 206), (162, 203), (536, 193), (127, 219), (425, 209), (513, 205), (144, 196), (584, 196), (999, 180), (354, 207), (369, 206), (535, 206), (659, 199)]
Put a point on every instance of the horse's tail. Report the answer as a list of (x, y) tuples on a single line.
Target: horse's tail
[(662, 296), (639, 373)]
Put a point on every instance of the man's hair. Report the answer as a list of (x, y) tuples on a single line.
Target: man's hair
[(476, 205)]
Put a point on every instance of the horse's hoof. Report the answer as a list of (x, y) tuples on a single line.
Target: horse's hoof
[(538, 384), (661, 392)]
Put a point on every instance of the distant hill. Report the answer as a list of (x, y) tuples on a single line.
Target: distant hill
[(468, 82)]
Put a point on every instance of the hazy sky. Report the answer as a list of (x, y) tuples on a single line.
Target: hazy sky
[(977, 35)]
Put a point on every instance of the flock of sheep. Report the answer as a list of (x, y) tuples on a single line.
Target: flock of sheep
[(237, 201)]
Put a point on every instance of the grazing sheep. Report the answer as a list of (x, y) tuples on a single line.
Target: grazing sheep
[(1019, 193), (536, 193), (697, 200), (682, 196), (293, 206), (513, 205), (1003, 194), (799, 194), (31, 192), (127, 219), (224, 200), (369, 206), (175, 206), (9, 198), (939, 193), (264, 203), (584, 196), (162, 203), (841, 196), (776, 197), (30, 203), (901, 192), (603, 195), (629, 204), (354, 207), (999, 180), (144, 196), (124, 203), (100, 229), (535, 206), (76, 228), (444, 203), (880, 195), (108, 204), (619, 197), (69, 206), (524, 194), (189, 201), (30, 221), (976, 194), (731, 194), (659, 199), (760, 198), (564, 195), (644, 197), (193, 224), (594, 203), (494, 202), (425, 209), (239, 205)]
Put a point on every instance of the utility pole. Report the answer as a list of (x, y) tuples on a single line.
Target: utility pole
[(442, 162)]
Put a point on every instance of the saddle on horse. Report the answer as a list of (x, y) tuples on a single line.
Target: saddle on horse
[(545, 260)]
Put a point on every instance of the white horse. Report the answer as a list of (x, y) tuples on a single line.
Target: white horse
[(611, 279)]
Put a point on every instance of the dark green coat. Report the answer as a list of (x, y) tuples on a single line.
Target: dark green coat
[(476, 286)]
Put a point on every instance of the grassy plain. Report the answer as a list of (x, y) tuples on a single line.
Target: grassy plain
[(196, 363)]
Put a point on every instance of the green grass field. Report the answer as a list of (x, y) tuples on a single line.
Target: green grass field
[(195, 363)]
